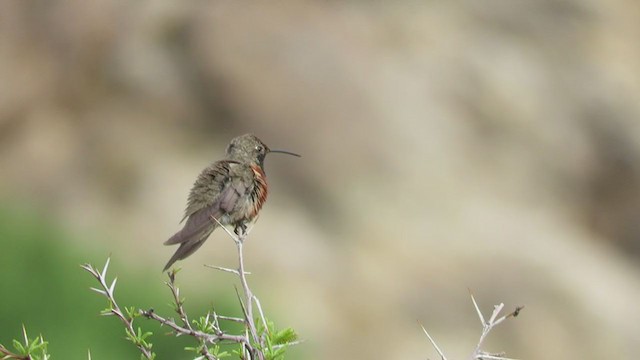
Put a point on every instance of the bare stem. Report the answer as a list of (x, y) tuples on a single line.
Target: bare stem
[(433, 342), (6, 354), (209, 338), (487, 326), (175, 291), (248, 295), (248, 302), (114, 309)]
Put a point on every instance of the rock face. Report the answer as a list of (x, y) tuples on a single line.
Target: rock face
[(489, 145)]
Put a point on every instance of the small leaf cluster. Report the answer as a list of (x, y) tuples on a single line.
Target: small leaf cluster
[(211, 351), (275, 342), (31, 349), (138, 338), (205, 325)]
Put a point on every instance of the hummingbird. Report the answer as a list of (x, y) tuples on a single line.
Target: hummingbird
[(231, 191)]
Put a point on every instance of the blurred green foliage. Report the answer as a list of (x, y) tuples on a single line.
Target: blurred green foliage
[(43, 287)]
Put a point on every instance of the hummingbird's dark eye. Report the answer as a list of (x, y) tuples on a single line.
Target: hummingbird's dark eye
[(259, 148)]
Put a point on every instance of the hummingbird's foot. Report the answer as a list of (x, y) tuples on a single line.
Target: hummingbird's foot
[(240, 229)]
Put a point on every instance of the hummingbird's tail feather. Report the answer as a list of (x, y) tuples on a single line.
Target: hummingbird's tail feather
[(188, 245), (184, 251), (195, 225)]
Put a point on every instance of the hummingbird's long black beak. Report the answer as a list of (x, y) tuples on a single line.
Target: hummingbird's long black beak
[(284, 152)]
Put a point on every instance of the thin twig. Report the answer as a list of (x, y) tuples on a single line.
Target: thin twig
[(175, 291), (434, 343), (487, 326), (297, 342), (264, 320), (475, 304), (10, 355), (231, 234), (205, 352), (230, 318), (494, 357), (210, 338), (248, 295), (114, 309), (233, 271)]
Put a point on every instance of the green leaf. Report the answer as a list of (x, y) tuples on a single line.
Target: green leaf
[(19, 347), (215, 350), (131, 312), (131, 336), (285, 336)]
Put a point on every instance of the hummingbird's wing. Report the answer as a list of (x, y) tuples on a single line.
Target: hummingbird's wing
[(224, 200), (215, 193)]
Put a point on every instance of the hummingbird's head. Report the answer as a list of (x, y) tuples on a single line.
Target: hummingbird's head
[(249, 149)]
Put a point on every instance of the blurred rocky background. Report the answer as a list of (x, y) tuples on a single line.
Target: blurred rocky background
[(447, 145)]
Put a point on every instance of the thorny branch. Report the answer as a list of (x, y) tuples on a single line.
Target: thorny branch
[(6, 354), (487, 326), (114, 309), (211, 320), (207, 330), (28, 348), (179, 302), (175, 291), (180, 330), (249, 298)]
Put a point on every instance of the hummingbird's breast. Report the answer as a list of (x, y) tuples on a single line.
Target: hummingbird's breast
[(259, 193)]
